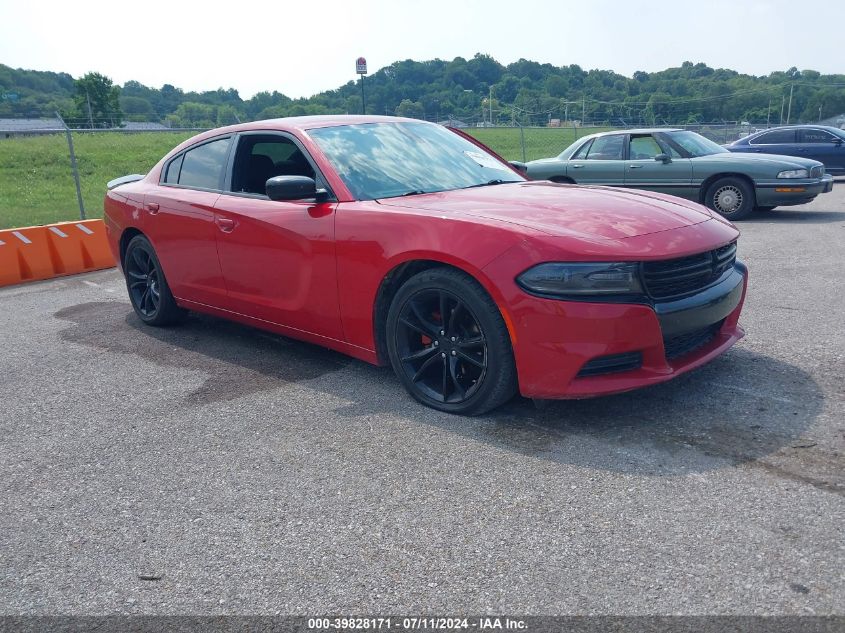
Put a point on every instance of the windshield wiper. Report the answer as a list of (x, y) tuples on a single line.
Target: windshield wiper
[(495, 181), (416, 192)]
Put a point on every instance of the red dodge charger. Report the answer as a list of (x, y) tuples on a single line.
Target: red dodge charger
[(403, 242)]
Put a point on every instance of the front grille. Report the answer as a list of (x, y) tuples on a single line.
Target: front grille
[(817, 172), (673, 277), (612, 364), (684, 344)]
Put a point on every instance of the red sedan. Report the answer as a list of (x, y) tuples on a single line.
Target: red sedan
[(402, 242)]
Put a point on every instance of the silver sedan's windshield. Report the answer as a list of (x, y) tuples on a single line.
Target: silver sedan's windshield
[(386, 160), (695, 144)]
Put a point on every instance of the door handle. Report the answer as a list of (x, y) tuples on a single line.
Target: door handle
[(152, 207), (636, 166), (227, 225), (577, 166)]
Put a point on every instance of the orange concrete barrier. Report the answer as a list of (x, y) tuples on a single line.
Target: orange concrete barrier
[(42, 252)]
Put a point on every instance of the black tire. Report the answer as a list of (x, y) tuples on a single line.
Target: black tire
[(766, 208), (459, 364), (730, 197), (147, 286)]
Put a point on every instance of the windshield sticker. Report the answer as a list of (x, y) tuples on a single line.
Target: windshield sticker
[(486, 160)]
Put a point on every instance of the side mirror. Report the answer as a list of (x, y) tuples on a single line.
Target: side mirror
[(663, 158), (294, 188), (522, 168)]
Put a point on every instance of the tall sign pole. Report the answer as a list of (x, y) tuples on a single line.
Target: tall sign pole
[(361, 69)]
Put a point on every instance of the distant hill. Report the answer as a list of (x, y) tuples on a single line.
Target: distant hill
[(525, 91)]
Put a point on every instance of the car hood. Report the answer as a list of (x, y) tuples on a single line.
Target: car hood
[(565, 210), (776, 161)]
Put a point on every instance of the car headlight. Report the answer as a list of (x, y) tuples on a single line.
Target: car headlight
[(582, 279), (794, 173)]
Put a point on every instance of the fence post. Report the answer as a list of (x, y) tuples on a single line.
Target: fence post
[(73, 167), (522, 140)]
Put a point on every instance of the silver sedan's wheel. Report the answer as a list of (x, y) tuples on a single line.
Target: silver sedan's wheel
[(731, 197), (727, 199)]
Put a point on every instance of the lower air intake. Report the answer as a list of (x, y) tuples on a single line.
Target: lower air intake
[(684, 344), (612, 364)]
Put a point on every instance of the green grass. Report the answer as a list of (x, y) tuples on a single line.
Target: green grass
[(36, 181), (539, 142)]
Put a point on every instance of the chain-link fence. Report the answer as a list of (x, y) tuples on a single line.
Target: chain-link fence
[(37, 183), (530, 143)]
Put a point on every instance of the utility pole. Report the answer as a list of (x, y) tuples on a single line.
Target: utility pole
[(820, 114), (583, 111), (769, 113), (491, 106), (782, 104), (789, 109), (90, 116)]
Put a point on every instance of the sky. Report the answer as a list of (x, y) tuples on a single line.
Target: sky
[(302, 48)]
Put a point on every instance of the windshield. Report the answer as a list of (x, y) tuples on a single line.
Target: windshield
[(385, 160), (695, 144)]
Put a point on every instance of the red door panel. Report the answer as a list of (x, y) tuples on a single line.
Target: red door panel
[(278, 260), (183, 233)]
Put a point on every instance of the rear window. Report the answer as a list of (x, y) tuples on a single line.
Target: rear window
[(774, 137), (817, 136), (607, 148), (203, 166)]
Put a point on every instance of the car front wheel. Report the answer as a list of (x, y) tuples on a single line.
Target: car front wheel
[(732, 198), (148, 290), (448, 344)]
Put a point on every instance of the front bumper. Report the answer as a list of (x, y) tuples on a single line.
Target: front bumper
[(786, 192), (555, 340)]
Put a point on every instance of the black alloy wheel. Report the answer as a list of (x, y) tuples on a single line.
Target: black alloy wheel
[(142, 277), (441, 346), (148, 290), (449, 345)]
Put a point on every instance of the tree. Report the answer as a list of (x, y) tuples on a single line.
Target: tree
[(411, 109), (137, 108), (97, 101)]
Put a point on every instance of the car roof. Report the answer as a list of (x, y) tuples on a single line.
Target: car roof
[(302, 123), (797, 126), (291, 124), (642, 130)]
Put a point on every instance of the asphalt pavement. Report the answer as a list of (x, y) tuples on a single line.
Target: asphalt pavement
[(212, 468)]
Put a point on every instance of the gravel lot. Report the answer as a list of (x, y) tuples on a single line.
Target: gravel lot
[(248, 473)]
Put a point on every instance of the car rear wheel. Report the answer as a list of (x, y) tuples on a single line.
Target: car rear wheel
[(732, 198), (148, 290), (448, 344)]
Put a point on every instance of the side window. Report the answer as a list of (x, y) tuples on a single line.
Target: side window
[(643, 148), (774, 137), (172, 176), (815, 136), (261, 157), (203, 166), (582, 151), (606, 148)]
